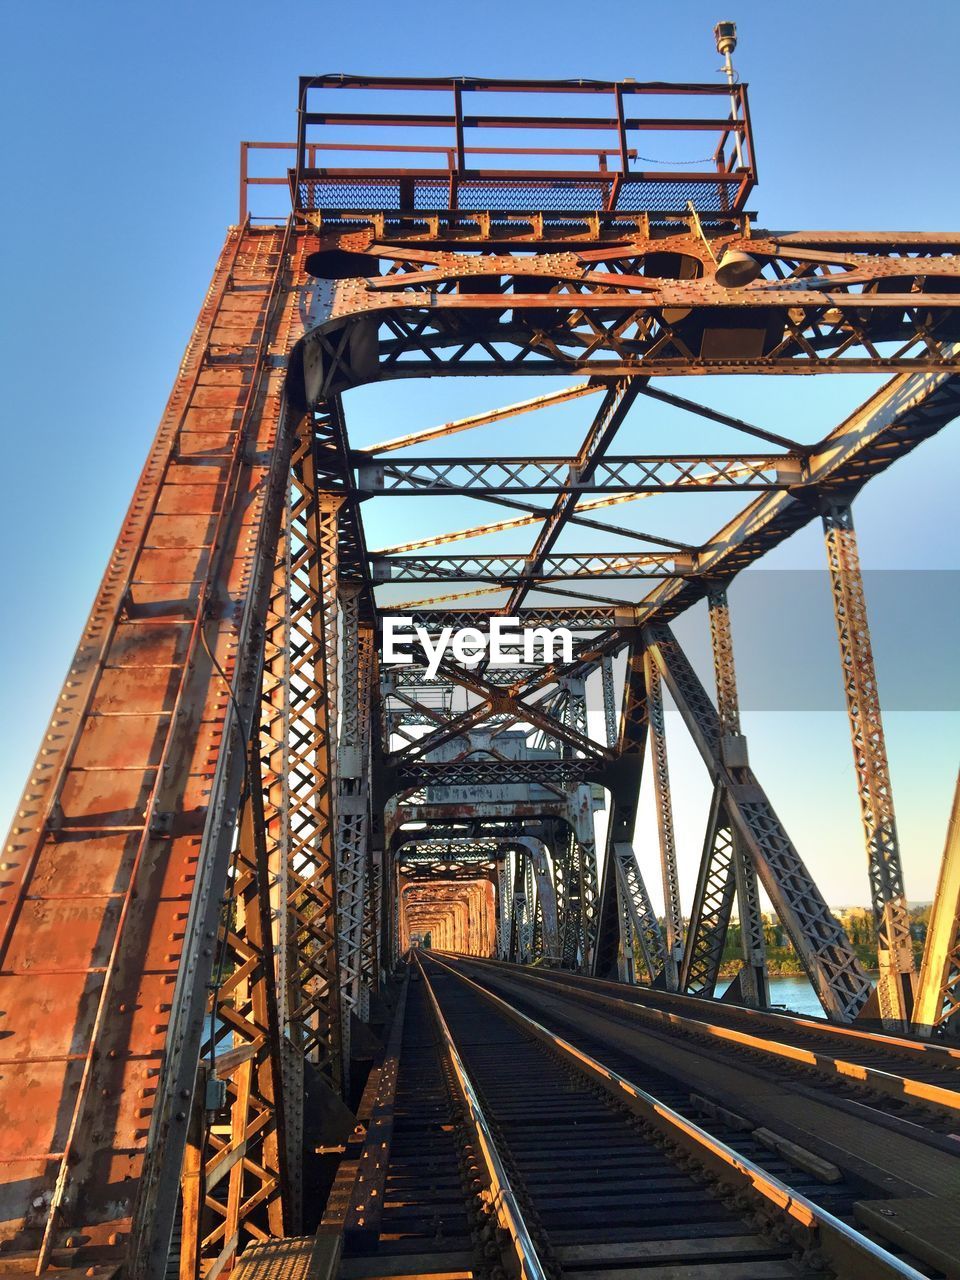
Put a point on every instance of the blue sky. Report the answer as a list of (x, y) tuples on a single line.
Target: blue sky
[(123, 123)]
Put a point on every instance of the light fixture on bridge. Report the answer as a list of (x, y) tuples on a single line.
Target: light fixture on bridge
[(725, 34)]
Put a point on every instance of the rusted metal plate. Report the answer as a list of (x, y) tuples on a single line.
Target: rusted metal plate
[(102, 859)]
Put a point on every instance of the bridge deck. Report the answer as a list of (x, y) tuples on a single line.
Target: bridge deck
[(607, 1147)]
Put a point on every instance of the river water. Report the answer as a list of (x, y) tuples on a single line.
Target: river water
[(795, 992)]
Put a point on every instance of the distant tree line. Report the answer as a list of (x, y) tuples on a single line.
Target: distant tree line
[(857, 922)]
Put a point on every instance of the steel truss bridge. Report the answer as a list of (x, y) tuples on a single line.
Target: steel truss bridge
[(240, 819)]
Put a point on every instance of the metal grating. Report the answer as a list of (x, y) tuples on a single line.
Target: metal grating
[(278, 1260), (375, 194), (715, 196)]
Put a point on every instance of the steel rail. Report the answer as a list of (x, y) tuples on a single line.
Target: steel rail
[(853, 1254), (923, 1050), (891, 1083), (503, 1199)]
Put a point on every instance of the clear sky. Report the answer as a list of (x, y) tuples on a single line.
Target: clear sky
[(122, 124)]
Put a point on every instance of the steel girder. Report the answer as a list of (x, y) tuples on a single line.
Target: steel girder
[(441, 477), (623, 785), (894, 943), (505, 569), (145, 807), (823, 947), (673, 911), (712, 904), (753, 975), (639, 910), (484, 771), (575, 618), (561, 313), (352, 809)]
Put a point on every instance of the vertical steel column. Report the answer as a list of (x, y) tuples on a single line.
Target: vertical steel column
[(389, 879), (624, 798), (257, 1157), (609, 700), (725, 674), (673, 911), (567, 900), (352, 810), (274, 739), (824, 948), (370, 958), (315, 1006), (518, 910), (546, 900), (626, 955), (753, 977), (938, 991), (581, 811), (566, 862), (530, 898), (503, 906), (897, 980)]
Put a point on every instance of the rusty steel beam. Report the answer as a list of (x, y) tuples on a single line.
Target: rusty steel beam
[(484, 419), (634, 474), (890, 424), (146, 806), (741, 803), (938, 989), (898, 976), (467, 315), (752, 979), (673, 911), (606, 423), (490, 568), (535, 515)]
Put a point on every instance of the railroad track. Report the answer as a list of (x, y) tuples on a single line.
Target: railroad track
[(490, 1146), (905, 1079)]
